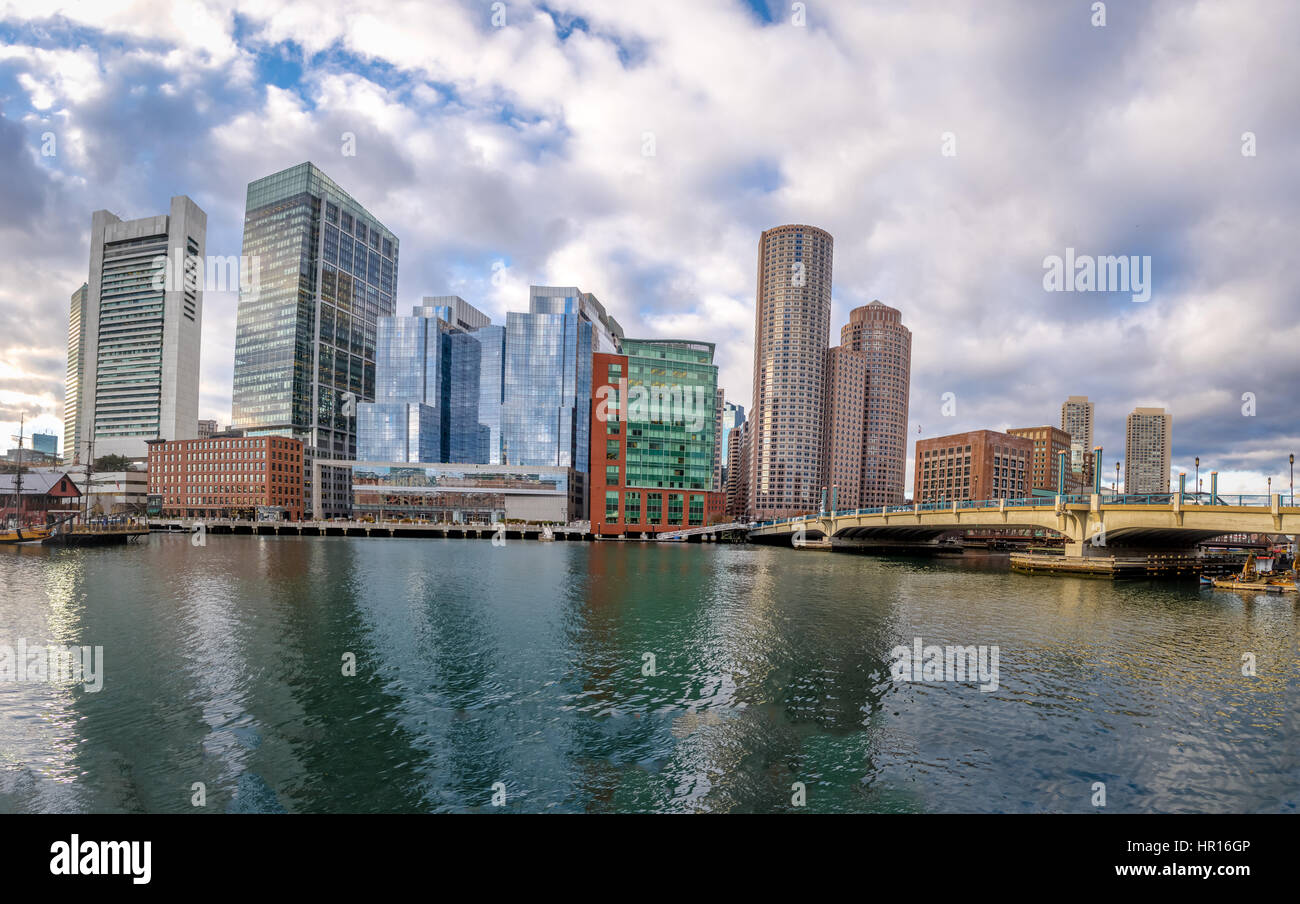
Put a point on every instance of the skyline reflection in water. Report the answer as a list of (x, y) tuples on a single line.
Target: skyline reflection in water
[(526, 665)]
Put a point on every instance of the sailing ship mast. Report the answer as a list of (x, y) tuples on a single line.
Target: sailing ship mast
[(18, 477)]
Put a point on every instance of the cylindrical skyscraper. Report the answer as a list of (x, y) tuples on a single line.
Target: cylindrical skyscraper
[(791, 332), (876, 330)]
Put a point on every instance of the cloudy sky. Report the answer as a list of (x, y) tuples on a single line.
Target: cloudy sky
[(949, 148)]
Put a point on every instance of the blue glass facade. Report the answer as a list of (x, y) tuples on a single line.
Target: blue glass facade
[(491, 382), (546, 416), (427, 393)]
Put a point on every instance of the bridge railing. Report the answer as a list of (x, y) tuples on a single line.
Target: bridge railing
[(1259, 500)]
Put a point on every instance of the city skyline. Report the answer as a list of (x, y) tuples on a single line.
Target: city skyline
[(559, 199)]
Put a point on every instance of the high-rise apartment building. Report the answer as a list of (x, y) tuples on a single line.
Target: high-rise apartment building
[(738, 473), (845, 427), (72, 382), (1045, 467), (791, 332), (653, 434), (877, 332), (733, 416), (1148, 448), (978, 465), (322, 271), (140, 331), (1077, 421)]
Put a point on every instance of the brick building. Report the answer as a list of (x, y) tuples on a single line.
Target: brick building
[(226, 477), (1048, 443), (981, 464)]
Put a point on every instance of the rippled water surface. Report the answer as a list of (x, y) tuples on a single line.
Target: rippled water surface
[(525, 665)]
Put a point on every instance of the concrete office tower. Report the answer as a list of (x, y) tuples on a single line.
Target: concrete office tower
[(1048, 442), (719, 463), (323, 270), (140, 330), (846, 411), (72, 383), (876, 330), (1076, 420), (1149, 440), (791, 331)]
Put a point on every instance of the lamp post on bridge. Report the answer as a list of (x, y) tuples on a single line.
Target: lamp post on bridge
[(1116, 478), (1292, 478), (1198, 478)]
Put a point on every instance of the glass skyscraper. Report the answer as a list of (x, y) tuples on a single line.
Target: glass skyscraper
[(547, 398), (323, 270), (491, 385), (428, 389)]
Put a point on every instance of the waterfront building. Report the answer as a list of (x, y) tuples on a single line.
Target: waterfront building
[(733, 416), (1077, 421), (979, 465), (48, 490), (322, 271), (1148, 448), (427, 389), (845, 429), (138, 333), (1048, 442), (653, 438), (491, 385), (456, 311), (791, 331), (458, 493), (877, 332), (546, 396), (72, 381), (738, 473), (720, 402), (226, 477)]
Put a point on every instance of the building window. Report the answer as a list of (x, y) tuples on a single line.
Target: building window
[(611, 475), (611, 506), (632, 508)]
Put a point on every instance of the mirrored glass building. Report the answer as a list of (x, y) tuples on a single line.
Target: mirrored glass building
[(427, 393)]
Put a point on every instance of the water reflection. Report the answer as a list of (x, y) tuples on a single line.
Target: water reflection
[(527, 667)]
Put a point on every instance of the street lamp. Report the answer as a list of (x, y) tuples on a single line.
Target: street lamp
[(1116, 478), (1198, 478), (1293, 479)]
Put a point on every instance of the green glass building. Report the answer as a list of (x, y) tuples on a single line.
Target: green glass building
[(671, 447)]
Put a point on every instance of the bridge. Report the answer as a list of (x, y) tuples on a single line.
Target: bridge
[(1092, 526), (711, 532)]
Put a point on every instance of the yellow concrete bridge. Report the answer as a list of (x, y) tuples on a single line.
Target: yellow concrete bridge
[(1092, 525)]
